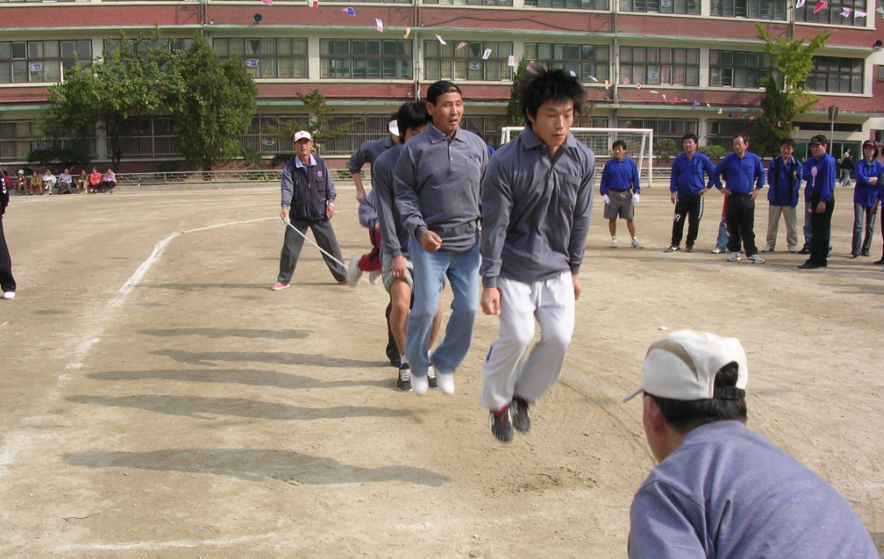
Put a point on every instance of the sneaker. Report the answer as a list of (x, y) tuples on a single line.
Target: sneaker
[(353, 272), (733, 257), (446, 383), (419, 385), (521, 419), (501, 424), (404, 382), (9, 295), (344, 281), (373, 277), (431, 376), (636, 244), (804, 251), (793, 249), (755, 259), (767, 248), (689, 249), (864, 253), (672, 248), (854, 255), (879, 262), (613, 242), (280, 285), (716, 250)]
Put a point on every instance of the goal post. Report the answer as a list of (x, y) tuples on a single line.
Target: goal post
[(639, 145)]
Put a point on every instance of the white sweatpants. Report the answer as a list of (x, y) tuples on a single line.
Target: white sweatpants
[(551, 302)]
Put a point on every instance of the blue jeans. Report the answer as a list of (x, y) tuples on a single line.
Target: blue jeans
[(862, 216), (721, 241), (462, 269)]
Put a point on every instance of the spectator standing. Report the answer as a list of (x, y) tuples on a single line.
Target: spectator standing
[(368, 152), (7, 281), (620, 190), (784, 179), (741, 170), (687, 189), (865, 199), (846, 168), (819, 196)]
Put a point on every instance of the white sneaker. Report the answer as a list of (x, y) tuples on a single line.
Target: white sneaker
[(446, 383), (755, 259), (353, 272), (373, 277), (793, 249), (716, 250), (9, 295), (767, 248), (636, 244), (613, 242), (419, 384), (733, 257)]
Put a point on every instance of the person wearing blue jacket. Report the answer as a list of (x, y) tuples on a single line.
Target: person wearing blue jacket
[(687, 190), (784, 178), (865, 199), (819, 195), (620, 190), (741, 170)]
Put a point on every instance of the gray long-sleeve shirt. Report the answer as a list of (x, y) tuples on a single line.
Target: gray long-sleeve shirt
[(367, 212), (536, 210), (394, 235), (368, 152), (438, 181)]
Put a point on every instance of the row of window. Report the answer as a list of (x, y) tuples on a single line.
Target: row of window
[(45, 61)]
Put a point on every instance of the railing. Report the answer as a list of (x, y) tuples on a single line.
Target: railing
[(195, 178)]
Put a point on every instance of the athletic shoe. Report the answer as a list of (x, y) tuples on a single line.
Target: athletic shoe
[(373, 277), (344, 281), (419, 385), (767, 248), (353, 272), (521, 419), (636, 244), (613, 242), (404, 382), (446, 383), (672, 248), (501, 424), (864, 253), (854, 255), (804, 251), (879, 262), (733, 257), (810, 266), (9, 295), (793, 249), (755, 259), (280, 285), (716, 250), (689, 249), (431, 376)]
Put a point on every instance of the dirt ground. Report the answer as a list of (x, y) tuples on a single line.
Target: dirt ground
[(169, 404)]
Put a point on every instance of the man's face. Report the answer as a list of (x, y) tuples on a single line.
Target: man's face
[(303, 147), (689, 146), (868, 152), (412, 132), (552, 122), (786, 151), (619, 153), (446, 112), (818, 150), (740, 147)]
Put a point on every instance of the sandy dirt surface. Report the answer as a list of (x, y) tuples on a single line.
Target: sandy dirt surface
[(169, 404)]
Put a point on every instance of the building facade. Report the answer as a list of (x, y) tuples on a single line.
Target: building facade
[(674, 66)]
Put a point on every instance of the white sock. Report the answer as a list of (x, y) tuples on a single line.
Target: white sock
[(402, 359)]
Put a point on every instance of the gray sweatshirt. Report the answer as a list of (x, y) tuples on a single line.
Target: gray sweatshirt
[(394, 235), (536, 210)]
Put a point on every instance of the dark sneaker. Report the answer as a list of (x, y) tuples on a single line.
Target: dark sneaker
[(404, 382), (672, 248), (521, 419), (501, 424), (690, 248), (431, 376)]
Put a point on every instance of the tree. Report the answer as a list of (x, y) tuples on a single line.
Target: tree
[(320, 126), (514, 116), (212, 103), (126, 83), (794, 61)]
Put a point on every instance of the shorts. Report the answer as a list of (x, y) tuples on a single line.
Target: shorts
[(387, 271), (621, 205)]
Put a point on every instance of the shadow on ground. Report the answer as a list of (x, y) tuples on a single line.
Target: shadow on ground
[(282, 358), (230, 333), (239, 376)]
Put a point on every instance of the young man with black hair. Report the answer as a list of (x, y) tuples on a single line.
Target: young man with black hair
[(396, 266), (784, 179), (687, 188), (721, 490), (819, 197), (620, 190), (536, 200), (368, 152), (741, 169), (437, 181)]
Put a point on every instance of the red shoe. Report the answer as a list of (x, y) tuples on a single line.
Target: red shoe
[(279, 286)]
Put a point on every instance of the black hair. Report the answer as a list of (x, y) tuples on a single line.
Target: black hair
[(690, 136), (743, 136), (412, 114), (684, 415), (550, 85), (620, 143), (393, 117), (787, 142), (441, 87)]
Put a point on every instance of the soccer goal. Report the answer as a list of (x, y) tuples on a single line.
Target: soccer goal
[(639, 145)]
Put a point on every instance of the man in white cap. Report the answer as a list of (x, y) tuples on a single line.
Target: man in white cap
[(308, 201), (721, 490), (368, 152)]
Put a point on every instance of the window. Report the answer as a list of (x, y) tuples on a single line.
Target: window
[(19, 137), (586, 61), (41, 61), (722, 131), (664, 128), (836, 75), (364, 59), (267, 58), (447, 62), (832, 14), (691, 7), (470, 2), (603, 5), (148, 138), (653, 66), (738, 69), (751, 9), (880, 73)]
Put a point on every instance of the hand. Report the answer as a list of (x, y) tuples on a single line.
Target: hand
[(873, 180), (704, 190), (377, 226), (430, 241), (753, 194), (606, 199), (726, 191), (400, 270), (284, 214), (635, 199), (575, 280), (330, 210), (491, 300), (360, 194), (673, 197), (821, 207)]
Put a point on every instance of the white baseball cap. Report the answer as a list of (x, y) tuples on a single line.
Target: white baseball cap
[(393, 127), (682, 366), (301, 135)]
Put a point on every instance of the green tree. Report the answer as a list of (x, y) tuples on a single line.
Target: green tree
[(320, 125), (665, 149), (128, 82), (213, 103), (514, 116)]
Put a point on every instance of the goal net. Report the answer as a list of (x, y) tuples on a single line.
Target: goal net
[(639, 146)]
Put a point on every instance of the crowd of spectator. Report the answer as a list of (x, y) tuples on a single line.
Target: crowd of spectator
[(28, 182)]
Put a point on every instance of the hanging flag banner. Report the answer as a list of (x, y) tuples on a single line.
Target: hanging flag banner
[(639, 85), (800, 3), (474, 65), (350, 11), (441, 40), (696, 103), (380, 24), (407, 32), (486, 54), (511, 61), (460, 45), (624, 81), (573, 74), (531, 64), (845, 12), (267, 2), (859, 13), (268, 142), (820, 6), (880, 10), (594, 79), (719, 111), (35, 66)]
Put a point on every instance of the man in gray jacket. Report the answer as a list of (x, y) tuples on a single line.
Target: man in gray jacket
[(536, 199)]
